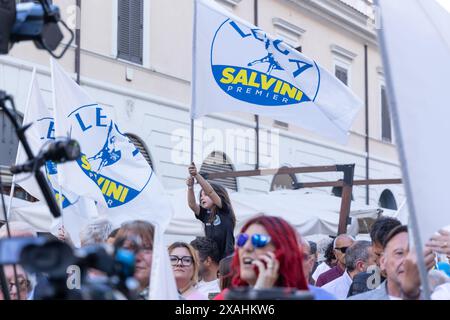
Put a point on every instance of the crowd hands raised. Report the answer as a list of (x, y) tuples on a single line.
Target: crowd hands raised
[(267, 254)]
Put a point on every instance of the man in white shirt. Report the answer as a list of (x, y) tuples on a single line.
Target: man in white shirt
[(357, 258), (209, 257)]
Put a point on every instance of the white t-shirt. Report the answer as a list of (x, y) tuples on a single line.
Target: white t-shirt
[(394, 298), (208, 287)]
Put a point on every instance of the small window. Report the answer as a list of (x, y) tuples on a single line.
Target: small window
[(342, 74), (130, 30), (217, 162), (386, 124)]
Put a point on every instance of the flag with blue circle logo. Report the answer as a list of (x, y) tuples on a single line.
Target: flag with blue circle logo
[(111, 170), (76, 211), (239, 67)]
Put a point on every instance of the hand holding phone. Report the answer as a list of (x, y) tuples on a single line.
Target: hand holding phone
[(267, 267)]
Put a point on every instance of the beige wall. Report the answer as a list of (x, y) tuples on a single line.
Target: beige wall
[(169, 37)]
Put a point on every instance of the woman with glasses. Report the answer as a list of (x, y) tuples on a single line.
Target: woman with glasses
[(215, 211), (185, 270), (267, 256)]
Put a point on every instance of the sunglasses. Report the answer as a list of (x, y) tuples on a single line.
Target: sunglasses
[(258, 240), (185, 260), (343, 249)]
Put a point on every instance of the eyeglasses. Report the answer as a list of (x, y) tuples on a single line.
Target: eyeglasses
[(186, 261), (343, 249), (23, 284), (258, 240)]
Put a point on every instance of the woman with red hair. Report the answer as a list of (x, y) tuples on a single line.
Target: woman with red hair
[(267, 255)]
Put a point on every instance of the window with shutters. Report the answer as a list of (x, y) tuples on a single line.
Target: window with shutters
[(138, 143), (217, 162), (130, 30), (386, 124), (341, 73)]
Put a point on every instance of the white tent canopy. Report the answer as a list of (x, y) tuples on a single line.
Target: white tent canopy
[(310, 211)]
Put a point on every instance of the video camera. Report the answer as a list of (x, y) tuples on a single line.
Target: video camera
[(38, 22), (54, 260)]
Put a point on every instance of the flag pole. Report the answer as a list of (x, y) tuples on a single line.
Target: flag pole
[(192, 140), (402, 155), (255, 9), (194, 52)]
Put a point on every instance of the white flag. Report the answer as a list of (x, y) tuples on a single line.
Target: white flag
[(111, 169), (238, 67), (162, 281), (76, 211), (415, 41)]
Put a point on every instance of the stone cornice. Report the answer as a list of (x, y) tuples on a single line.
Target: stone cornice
[(342, 15)]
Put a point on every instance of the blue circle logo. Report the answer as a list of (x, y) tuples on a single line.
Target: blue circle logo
[(249, 66)]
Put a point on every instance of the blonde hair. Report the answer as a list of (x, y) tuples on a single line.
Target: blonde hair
[(193, 254)]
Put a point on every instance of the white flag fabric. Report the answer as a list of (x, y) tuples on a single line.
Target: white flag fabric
[(415, 42), (238, 67), (111, 169), (39, 133), (162, 281), (76, 210)]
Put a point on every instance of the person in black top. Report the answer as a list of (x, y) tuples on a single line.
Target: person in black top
[(215, 211)]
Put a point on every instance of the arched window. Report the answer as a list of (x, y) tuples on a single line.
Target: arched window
[(283, 182), (138, 143), (387, 200), (217, 162)]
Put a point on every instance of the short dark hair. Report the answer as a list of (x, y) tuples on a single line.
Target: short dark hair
[(313, 247), (381, 228), (393, 233), (206, 247), (329, 253)]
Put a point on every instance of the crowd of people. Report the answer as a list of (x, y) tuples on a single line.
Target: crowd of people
[(267, 254)]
